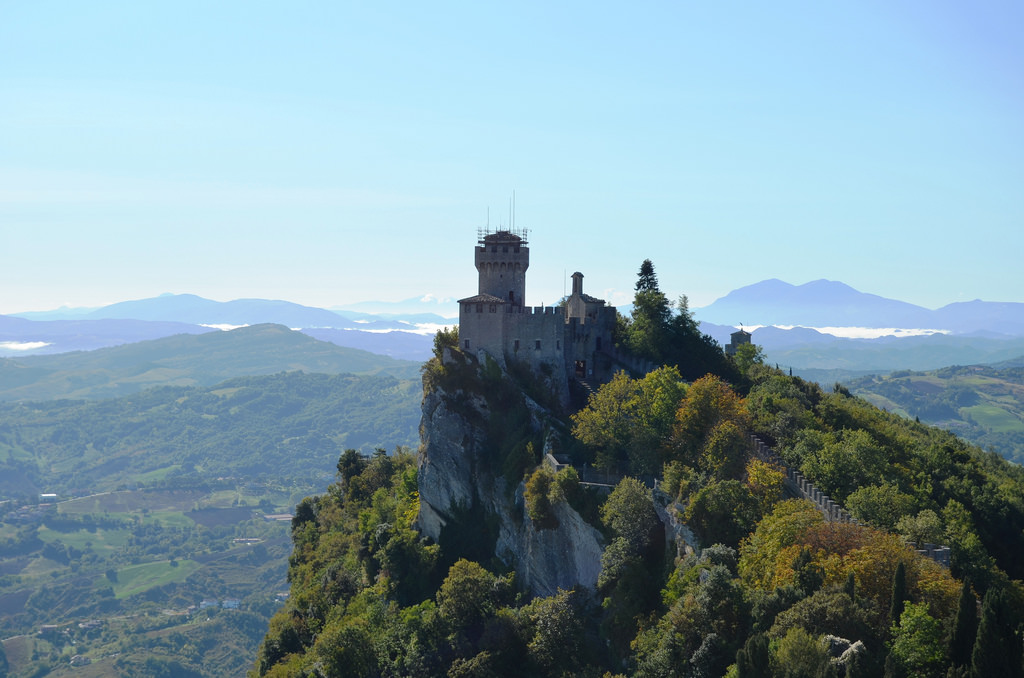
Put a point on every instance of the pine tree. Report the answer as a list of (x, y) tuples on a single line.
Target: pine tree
[(966, 627), (647, 281)]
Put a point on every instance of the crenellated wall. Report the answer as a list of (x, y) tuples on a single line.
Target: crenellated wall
[(801, 487)]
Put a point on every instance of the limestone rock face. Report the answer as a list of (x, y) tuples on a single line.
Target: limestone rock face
[(447, 474), (550, 559), (452, 478)]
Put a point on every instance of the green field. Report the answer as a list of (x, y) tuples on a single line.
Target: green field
[(156, 474), (994, 418), (135, 579), (101, 542)]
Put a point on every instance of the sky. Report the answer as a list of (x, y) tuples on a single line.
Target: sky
[(328, 153)]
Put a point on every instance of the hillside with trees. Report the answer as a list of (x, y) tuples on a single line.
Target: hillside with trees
[(711, 572), (164, 548), (983, 404)]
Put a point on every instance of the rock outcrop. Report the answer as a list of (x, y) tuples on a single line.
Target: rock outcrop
[(454, 479)]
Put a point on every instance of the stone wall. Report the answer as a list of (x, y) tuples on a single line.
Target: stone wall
[(798, 486)]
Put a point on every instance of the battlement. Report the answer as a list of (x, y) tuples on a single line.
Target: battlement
[(574, 338)]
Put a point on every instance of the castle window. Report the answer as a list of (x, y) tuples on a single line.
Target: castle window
[(558, 344), (494, 248), (467, 344), (599, 343), (479, 308), (492, 309), (515, 346), (505, 249), (537, 346)]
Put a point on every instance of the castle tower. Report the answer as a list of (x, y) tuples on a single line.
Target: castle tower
[(502, 258)]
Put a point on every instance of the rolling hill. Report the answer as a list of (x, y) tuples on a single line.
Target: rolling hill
[(186, 360)]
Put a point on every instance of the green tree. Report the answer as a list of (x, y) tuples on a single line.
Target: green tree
[(628, 421), (924, 528), (899, 595), (848, 460), (469, 595), (346, 650), (709, 403), (747, 356), (557, 634), (722, 511), (965, 627), (752, 660), (725, 451), (833, 612), (538, 498), (446, 337), (800, 655), (646, 279), (880, 505), (351, 463), (629, 512), (917, 642), (997, 648), (809, 575)]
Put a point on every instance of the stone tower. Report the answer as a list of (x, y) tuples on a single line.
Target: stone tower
[(502, 258)]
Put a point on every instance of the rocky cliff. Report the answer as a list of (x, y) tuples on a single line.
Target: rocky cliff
[(458, 480)]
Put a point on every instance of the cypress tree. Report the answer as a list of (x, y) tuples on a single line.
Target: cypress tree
[(965, 628), (899, 593), (997, 649), (752, 660), (850, 588), (809, 575)]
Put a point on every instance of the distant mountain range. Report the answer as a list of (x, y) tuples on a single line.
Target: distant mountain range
[(965, 333), (406, 337), (826, 303)]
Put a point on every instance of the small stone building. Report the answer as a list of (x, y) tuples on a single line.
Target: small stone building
[(737, 339), (573, 339)]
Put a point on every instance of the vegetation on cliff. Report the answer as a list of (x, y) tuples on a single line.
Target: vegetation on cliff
[(712, 572)]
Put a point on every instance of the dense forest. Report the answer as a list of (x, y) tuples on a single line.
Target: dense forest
[(763, 586)]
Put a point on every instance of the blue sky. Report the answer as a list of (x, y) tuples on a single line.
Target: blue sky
[(329, 153)]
